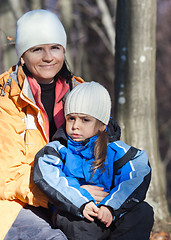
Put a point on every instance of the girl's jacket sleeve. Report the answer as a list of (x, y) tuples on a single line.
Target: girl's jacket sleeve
[(131, 181), (64, 191)]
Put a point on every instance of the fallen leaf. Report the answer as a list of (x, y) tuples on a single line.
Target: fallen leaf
[(160, 236), (10, 38)]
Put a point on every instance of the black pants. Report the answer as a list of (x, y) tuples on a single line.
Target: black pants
[(134, 225)]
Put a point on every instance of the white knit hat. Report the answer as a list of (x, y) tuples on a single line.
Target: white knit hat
[(38, 27), (89, 98)]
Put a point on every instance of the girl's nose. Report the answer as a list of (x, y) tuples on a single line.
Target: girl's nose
[(75, 124)]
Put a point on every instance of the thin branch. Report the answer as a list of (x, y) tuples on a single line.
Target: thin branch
[(107, 21), (102, 36)]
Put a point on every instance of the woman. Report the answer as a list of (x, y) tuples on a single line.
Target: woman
[(31, 110)]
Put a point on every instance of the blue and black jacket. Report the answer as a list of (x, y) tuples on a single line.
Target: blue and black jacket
[(62, 167)]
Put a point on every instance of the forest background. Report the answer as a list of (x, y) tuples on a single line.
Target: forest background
[(91, 54)]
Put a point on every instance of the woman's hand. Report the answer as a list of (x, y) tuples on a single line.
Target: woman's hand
[(105, 216), (96, 192), (90, 209)]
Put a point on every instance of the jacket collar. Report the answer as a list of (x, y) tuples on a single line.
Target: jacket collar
[(18, 75), (84, 148)]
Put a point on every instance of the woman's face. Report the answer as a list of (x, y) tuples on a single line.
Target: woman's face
[(44, 61)]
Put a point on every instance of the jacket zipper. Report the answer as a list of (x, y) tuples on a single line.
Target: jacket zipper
[(3, 91)]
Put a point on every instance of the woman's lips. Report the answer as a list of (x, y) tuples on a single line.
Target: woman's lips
[(47, 66)]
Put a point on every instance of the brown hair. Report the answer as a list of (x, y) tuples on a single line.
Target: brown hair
[(100, 150)]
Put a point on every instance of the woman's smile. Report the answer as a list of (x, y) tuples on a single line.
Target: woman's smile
[(48, 65)]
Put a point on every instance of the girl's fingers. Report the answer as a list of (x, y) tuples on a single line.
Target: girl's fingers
[(109, 223), (105, 216), (94, 214), (95, 209), (99, 216), (89, 217)]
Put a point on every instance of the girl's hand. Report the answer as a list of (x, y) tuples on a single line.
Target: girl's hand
[(105, 216), (90, 209), (96, 192)]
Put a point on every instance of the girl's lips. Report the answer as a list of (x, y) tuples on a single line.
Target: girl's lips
[(75, 135)]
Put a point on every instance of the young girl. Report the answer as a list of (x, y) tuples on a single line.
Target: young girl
[(83, 156)]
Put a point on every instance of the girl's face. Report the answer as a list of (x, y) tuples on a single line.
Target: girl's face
[(80, 126), (44, 61)]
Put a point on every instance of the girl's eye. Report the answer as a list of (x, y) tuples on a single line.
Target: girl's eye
[(70, 118), (86, 120)]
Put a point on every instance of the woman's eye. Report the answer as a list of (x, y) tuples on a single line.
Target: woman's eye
[(36, 49), (57, 47)]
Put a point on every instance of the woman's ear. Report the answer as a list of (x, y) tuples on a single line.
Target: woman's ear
[(22, 61)]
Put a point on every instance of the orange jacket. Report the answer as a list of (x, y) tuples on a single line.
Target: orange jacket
[(22, 135)]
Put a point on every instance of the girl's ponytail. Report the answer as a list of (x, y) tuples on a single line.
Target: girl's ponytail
[(100, 151)]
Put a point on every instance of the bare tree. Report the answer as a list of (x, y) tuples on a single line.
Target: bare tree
[(135, 91), (91, 33), (8, 18), (66, 9), (10, 11)]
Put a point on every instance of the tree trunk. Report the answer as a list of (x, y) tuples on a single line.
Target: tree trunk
[(135, 99)]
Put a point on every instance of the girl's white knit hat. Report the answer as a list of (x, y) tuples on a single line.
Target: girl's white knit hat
[(89, 98), (38, 27)]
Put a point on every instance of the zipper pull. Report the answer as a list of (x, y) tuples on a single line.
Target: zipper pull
[(3, 91)]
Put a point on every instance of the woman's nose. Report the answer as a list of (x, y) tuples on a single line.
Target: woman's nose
[(47, 56)]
